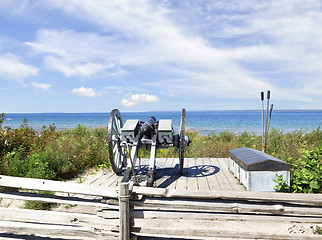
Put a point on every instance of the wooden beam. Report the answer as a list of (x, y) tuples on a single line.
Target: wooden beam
[(19, 230), (232, 195), (214, 234), (202, 229), (28, 196), (58, 218), (56, 186), (226, 206), (164, 216), (124, 198)]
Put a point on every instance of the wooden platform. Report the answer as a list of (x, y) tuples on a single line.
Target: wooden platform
[(198, 174)]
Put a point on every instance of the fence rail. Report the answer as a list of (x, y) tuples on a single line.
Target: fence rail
[(125, 213)]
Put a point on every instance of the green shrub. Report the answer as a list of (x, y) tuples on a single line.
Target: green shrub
[(38, 166), (307, 172), (13, 163), (282, 185)]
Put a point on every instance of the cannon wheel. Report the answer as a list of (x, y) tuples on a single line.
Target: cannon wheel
[(114, 141), (182, 135)]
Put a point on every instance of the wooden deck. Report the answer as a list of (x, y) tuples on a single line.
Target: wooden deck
[(198, 174)]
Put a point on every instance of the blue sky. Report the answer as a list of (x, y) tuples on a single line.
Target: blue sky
[(138, 55)]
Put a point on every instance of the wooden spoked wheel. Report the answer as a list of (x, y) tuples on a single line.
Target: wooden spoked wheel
[(116, 152), (182, 136)]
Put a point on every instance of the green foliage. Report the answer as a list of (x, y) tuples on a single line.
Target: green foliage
[(282, 185), (52, 154), (318, 230), (307, 172), (13, 163), (38, 166), (40, 205), (2, 116), (250, 140)]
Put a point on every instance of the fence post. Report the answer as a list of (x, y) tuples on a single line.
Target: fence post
[(124, 198)]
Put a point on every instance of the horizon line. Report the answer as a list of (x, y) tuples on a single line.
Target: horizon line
[(222, 110)]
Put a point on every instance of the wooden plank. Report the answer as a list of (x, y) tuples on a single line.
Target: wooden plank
[(192, 180), (54, 217), (93, 178), (172, 171), (211, 177), (113, 181), (183, 180), (56, 186), (164, 216), (234, 195), (141, 166), (226, 206), (226, 161), (221, 177), (109, 214), (161, 162), (27, 196), (40, 230), (214, 230), (201, 174), (235, 184), (104, 177), (160, 171)]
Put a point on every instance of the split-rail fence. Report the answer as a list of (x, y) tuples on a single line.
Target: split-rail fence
[(133, 212)]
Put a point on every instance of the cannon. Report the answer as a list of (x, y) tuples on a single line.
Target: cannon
[(125, 141)]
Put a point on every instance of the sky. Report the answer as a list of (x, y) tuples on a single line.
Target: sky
[(140, 55)]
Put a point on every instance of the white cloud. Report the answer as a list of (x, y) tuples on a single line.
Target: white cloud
[(79, 70), (85, 92), (136, 99), (12, 68), (43, 86), (76, 54)]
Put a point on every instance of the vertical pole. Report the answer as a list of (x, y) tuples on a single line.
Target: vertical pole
[(124, 198), (268, 97), (263, 127), (269, 120)]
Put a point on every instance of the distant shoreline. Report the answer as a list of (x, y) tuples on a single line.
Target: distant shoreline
[(206, 122), (174, 111)]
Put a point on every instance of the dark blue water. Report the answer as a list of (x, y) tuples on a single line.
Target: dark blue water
[(204, 121)]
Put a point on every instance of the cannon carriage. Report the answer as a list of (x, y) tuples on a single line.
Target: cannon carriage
[(125, 141)]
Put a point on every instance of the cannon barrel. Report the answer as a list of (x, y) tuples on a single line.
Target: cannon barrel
[(147, 129)]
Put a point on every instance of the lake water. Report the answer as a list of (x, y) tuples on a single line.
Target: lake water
[(204, 121)]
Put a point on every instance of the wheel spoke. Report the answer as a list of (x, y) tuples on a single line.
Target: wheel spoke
[(116, 156), (115, 128), (115, 148), (118, 125), (114, 138), (119, 162)]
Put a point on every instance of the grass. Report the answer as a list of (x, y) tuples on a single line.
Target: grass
[(35, 205)]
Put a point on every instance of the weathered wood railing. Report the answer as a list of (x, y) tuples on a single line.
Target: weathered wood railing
[(167, 213)]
